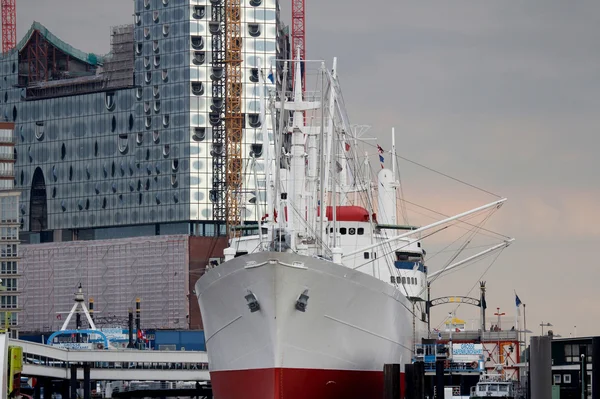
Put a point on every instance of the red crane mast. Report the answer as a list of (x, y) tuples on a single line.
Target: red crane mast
[(298, 32), (9, 25)]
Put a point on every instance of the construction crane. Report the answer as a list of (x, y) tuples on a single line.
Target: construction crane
[(9, 25), (234, 121), (298, 32)]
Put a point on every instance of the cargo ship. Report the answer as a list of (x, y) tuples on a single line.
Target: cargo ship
[(311, 304)]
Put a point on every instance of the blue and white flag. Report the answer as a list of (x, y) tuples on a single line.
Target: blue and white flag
[(518, 303), (271, 76)]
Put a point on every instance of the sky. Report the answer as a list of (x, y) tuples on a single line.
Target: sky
[(503, 95)]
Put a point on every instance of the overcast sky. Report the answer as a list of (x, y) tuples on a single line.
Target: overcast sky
[(504, 95)]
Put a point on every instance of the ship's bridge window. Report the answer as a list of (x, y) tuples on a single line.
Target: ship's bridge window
[(481, 388), (493, 388), (343, 230), (503, 388), (360, 231), (352, 231), (408, 256)]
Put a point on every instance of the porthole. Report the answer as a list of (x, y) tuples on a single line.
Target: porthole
[(199, 12), (109, 101), (156, 137), (199, 58), (254, 30), (197, 88), (254, 120), (197, 42), (254, 75), (39, 130), (199, 134)]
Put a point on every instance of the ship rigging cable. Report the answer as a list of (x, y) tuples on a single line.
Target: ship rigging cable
[(477, 281)]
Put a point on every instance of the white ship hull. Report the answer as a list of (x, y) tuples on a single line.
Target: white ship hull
[(352, 326)]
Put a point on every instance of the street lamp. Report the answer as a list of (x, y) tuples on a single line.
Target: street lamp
[(545, 325)]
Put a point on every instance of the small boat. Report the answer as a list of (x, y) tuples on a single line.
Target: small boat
[(493, 386)]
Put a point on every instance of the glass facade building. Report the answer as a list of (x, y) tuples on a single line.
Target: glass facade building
[(125, 144)]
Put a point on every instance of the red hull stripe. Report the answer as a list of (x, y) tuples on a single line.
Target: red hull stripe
[(285, 383)]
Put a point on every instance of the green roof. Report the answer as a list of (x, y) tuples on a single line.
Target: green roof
[(89, 58)]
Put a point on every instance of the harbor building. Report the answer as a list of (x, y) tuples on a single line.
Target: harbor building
[(10, 289), (131, 145)]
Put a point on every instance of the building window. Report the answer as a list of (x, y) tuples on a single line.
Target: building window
[(8, 302), (8, 251), (199, 12), (254, 30), (255, 3), (557, 379), (8, 267), (9, 284), (9, 209), (9, 233), (566, 378)]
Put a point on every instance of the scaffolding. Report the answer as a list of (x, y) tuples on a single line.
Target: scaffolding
[(119, 64), (114, 273)]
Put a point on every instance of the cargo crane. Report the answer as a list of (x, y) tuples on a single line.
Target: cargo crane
[(234, 120), (9, 25)]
